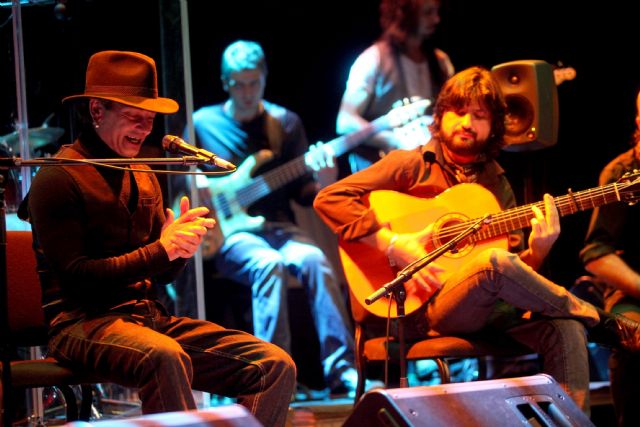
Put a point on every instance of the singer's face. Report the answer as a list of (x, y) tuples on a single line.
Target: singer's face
[(123, 128), (246, 89), (465, 132)]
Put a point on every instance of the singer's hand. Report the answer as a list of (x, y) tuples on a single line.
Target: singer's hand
[(181, 237), (322, 160)]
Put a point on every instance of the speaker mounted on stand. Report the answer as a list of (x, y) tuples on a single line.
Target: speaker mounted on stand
[(530, 91)]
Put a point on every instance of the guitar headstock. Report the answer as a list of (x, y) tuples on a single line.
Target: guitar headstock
[(561, 75), (629, 187), (407, 112)]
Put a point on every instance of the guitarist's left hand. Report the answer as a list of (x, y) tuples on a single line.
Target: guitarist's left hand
[(322, 160), (545, 229)]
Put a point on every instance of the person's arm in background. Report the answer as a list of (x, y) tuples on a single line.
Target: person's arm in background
[(614, 271), (601, 255), (358, 95)]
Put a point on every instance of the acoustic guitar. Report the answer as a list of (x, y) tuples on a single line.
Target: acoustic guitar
[(454, 210)]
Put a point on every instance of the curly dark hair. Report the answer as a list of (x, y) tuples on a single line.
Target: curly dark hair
[(473, 84)]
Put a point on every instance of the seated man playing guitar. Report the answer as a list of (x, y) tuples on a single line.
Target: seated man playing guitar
[(467, 131), (259, 243)]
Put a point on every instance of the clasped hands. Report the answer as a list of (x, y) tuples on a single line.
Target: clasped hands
[(181, 236)]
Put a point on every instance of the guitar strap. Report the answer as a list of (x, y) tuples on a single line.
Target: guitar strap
[(274, 133)]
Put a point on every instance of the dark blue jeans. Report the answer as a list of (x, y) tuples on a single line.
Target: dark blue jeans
[(261, 261), (138, 345)]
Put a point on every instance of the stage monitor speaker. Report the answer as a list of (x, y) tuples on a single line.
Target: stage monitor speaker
[(220, 416), (536, 400), (531, 95)]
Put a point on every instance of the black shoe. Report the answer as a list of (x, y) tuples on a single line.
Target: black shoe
[(617, 331)]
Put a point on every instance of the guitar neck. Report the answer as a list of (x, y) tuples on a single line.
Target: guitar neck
[(293, 169), (520, 217)]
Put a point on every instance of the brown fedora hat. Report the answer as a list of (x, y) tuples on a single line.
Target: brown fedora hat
[(129, 78)]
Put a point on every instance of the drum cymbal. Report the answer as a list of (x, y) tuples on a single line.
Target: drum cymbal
[(38, 138)]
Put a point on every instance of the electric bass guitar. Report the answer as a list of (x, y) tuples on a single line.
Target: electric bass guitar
[(230, 196), (451, 212)]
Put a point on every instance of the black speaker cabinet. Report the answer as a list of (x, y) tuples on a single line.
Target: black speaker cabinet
[(536, 400), (221, 416), (532, 104)]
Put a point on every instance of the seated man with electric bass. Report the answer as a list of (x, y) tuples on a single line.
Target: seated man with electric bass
[(259, 243)]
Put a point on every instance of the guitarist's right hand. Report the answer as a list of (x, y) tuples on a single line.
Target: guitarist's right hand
[(409, 247), (402, 250)]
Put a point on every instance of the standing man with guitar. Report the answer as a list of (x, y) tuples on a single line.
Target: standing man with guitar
[(497, 288), (402, 64), (612, 255), (259, 244)]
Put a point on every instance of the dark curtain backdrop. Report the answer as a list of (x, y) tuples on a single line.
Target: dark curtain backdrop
[(309, 47)]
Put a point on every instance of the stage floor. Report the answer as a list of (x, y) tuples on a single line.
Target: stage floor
[(121, 404)]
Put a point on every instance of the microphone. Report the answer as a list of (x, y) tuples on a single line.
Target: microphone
[(429, 157), (177, 145)]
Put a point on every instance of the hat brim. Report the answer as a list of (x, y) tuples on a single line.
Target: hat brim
[(157, 105)]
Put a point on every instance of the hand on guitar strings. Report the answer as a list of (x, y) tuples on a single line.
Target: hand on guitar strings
[(545, 229), (181, 236), (321, 159), (407, 248)]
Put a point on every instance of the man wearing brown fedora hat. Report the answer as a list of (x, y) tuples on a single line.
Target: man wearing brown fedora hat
[(103, 242)]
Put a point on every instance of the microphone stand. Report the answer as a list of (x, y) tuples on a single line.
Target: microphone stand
[(397, 289), (7, 163)]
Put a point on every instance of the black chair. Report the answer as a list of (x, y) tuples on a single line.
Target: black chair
[(371, 347)]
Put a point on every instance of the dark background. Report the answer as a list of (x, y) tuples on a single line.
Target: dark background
[(309, 48)]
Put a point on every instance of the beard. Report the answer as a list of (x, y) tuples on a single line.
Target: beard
[(463, 146)]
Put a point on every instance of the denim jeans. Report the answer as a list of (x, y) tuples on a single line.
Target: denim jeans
[(165, 357), (262, 261), (467, 301)]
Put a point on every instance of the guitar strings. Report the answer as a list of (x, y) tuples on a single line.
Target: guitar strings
[(271, 180), (519, 217)]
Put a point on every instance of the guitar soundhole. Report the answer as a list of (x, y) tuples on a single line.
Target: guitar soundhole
[(446, 228)]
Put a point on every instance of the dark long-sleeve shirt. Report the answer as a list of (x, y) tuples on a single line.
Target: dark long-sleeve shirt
[(96, 233), (615, 228)]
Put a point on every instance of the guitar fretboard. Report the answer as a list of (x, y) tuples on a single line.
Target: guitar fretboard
[(274, 179), (520, 217)]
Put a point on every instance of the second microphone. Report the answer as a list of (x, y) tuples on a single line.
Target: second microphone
[(176, 145)]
